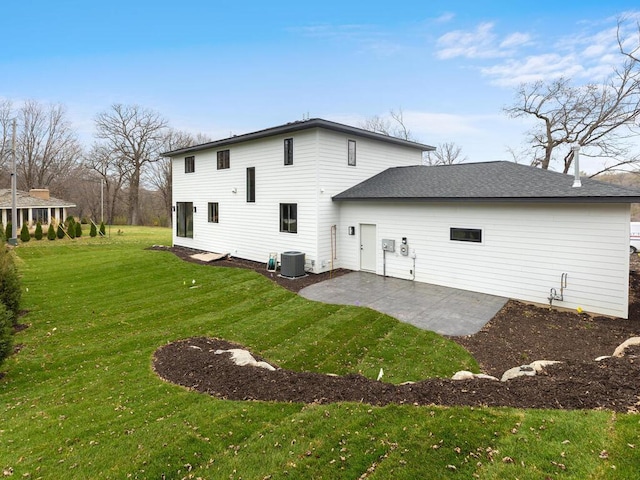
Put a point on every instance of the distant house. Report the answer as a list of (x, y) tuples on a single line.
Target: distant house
[(354, 199), (32, 207)]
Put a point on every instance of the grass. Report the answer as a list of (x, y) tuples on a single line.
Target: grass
[(80, 399)]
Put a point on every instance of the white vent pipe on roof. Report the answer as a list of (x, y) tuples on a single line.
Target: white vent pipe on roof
[(576, 164)]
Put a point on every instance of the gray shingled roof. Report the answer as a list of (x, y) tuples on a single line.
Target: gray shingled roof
[(297, 126), (24, 200), (485, 182)]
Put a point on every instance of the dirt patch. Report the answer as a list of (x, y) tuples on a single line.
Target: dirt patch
[(292, 284), (517, 335)]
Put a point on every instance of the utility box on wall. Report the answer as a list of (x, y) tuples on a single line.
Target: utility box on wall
[(388, 245)]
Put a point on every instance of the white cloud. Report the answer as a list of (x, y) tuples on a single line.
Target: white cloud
[(533, 68), (445, 17), (515, 40), (482, 42)]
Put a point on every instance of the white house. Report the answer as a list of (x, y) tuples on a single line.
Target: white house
[(32, 207), (349, 198)]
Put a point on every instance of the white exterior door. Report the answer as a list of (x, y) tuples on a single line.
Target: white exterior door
[(368, 247)]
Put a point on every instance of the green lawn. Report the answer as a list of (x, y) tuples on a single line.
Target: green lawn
[(80, 399)]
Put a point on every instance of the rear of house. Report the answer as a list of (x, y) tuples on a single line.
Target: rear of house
[(271, 191)]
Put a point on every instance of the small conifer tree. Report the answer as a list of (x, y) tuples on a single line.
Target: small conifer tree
[(7, 232), (24, 233), (38, 233), (71, 230), (51, 233), (93, 231), (2, 237), (78, 229), (60, 232), (102, 229)]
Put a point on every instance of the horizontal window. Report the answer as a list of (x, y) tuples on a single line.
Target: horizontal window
[(189, 164), (466, 234), (223, 159)]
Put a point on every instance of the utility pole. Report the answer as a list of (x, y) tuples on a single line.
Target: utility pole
[(14, 185)]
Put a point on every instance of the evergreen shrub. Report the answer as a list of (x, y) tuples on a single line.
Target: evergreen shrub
[(38, 233), (24, 233), (10, 292), (6, 333), (51, 233)]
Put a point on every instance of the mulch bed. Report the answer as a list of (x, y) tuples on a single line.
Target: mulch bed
[(518, 334)]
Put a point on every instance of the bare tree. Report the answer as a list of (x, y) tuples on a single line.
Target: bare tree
[(133, 136), (159, 175), (6, 110), (392, 127), (596, 117), (110, 170), (446, 154), (48, 148)]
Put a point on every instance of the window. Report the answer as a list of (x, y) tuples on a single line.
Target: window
[(189, 164), (223, 159), (351, 151), (213, 212), (251, 184), (184, 219), (40, 215), (289, 217), (288, 151), (466, 235)]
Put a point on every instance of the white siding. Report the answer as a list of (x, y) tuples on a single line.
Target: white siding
[(524, 249), (319, 171), (335, 176)]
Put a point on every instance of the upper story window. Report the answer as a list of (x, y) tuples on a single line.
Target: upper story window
[(288, 151), (351, 153), (223, 159), (189, 164), (251, 184), (465, 234)]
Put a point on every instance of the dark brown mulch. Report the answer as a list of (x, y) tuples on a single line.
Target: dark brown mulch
[(574, 385), (293, 284), (518, 334)]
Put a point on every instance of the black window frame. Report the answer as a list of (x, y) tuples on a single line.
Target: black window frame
[(351, 153), (213, 212), (184, 219), (251, 184), (288, 151), (289, 217), (223, 159), (190, 164), (471, 235)]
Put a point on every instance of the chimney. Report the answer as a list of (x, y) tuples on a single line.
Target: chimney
[(41, 193), (576, 163)]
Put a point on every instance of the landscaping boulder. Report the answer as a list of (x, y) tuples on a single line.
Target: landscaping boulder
[(521, 371), (619, 352), (466, 375), (243, 357)]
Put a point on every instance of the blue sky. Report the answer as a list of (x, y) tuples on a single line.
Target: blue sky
[(234, 67)]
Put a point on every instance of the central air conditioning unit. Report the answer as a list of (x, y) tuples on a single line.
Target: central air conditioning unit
[(292, 264)]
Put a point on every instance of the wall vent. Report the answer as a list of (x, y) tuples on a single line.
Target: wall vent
[(292, 264)]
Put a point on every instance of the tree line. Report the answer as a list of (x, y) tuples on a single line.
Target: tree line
[(122, 173)]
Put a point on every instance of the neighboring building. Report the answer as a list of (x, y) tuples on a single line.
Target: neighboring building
[(33, 207), (327, 190)]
